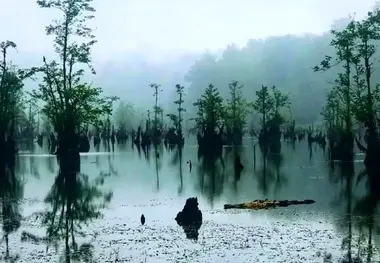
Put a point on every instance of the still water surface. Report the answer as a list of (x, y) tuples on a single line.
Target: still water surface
[(339, 227)]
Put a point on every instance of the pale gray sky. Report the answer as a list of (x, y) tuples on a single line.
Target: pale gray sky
[(159, 25)]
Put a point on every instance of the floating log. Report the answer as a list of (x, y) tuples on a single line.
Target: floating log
[(265, 204)]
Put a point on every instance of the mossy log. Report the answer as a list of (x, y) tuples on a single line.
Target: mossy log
[(265, 204)]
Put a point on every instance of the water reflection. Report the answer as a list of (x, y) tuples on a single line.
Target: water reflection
[(233, 168), (270, 171), (360, 218), (211, 176), (367, 206), (72, 202), (177, 153), (238, 175), (11, 192), (158, 151)]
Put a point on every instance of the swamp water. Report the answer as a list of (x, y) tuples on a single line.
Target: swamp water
[(340, 227)]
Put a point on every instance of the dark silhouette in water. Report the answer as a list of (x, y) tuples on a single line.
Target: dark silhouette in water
[(11, 192), (190, 165), (142, 219), (190, 218), (40, 140), (238, 167)]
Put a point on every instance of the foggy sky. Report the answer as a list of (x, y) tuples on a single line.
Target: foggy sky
[(181, 25)]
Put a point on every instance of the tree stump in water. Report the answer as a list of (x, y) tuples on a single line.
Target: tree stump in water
[(190, 218)]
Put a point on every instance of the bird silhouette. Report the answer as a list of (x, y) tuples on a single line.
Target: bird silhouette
[(142, 219)]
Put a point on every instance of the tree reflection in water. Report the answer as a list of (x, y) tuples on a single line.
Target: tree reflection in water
[(158, 151), (270, 172), (360, 210), (177, 160), (210, 170), (11, 192), (73, 202), (234, 167), (237, 165)]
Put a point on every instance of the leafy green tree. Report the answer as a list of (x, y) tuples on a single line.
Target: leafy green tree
[(11, 88), (11, 93), (355, 48), (200, 122), (280, 101), (359, 95), (177, 119), (70, 103), (368, 31), (281, 60), (210, 110), (156, 109), (263, 104), (331, 111), (236, 111), (344, 44), (174, 118), (268, 104)]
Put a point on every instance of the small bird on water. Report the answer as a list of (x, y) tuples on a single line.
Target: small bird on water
[(142, 219)]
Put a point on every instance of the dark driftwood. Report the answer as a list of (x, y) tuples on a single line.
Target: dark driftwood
[(264, 204)]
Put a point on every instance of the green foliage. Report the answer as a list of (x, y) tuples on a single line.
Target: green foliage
[(358, 92), (283, 61), (180, 91), (263, 104), (157, 110), (174, 118), (237, 107), (177, 119), (70, 103), (280, 101), (269, 103), (210, 110), (331, 111), (11, 89), (344, 44), (352, 91), (367, 31)]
